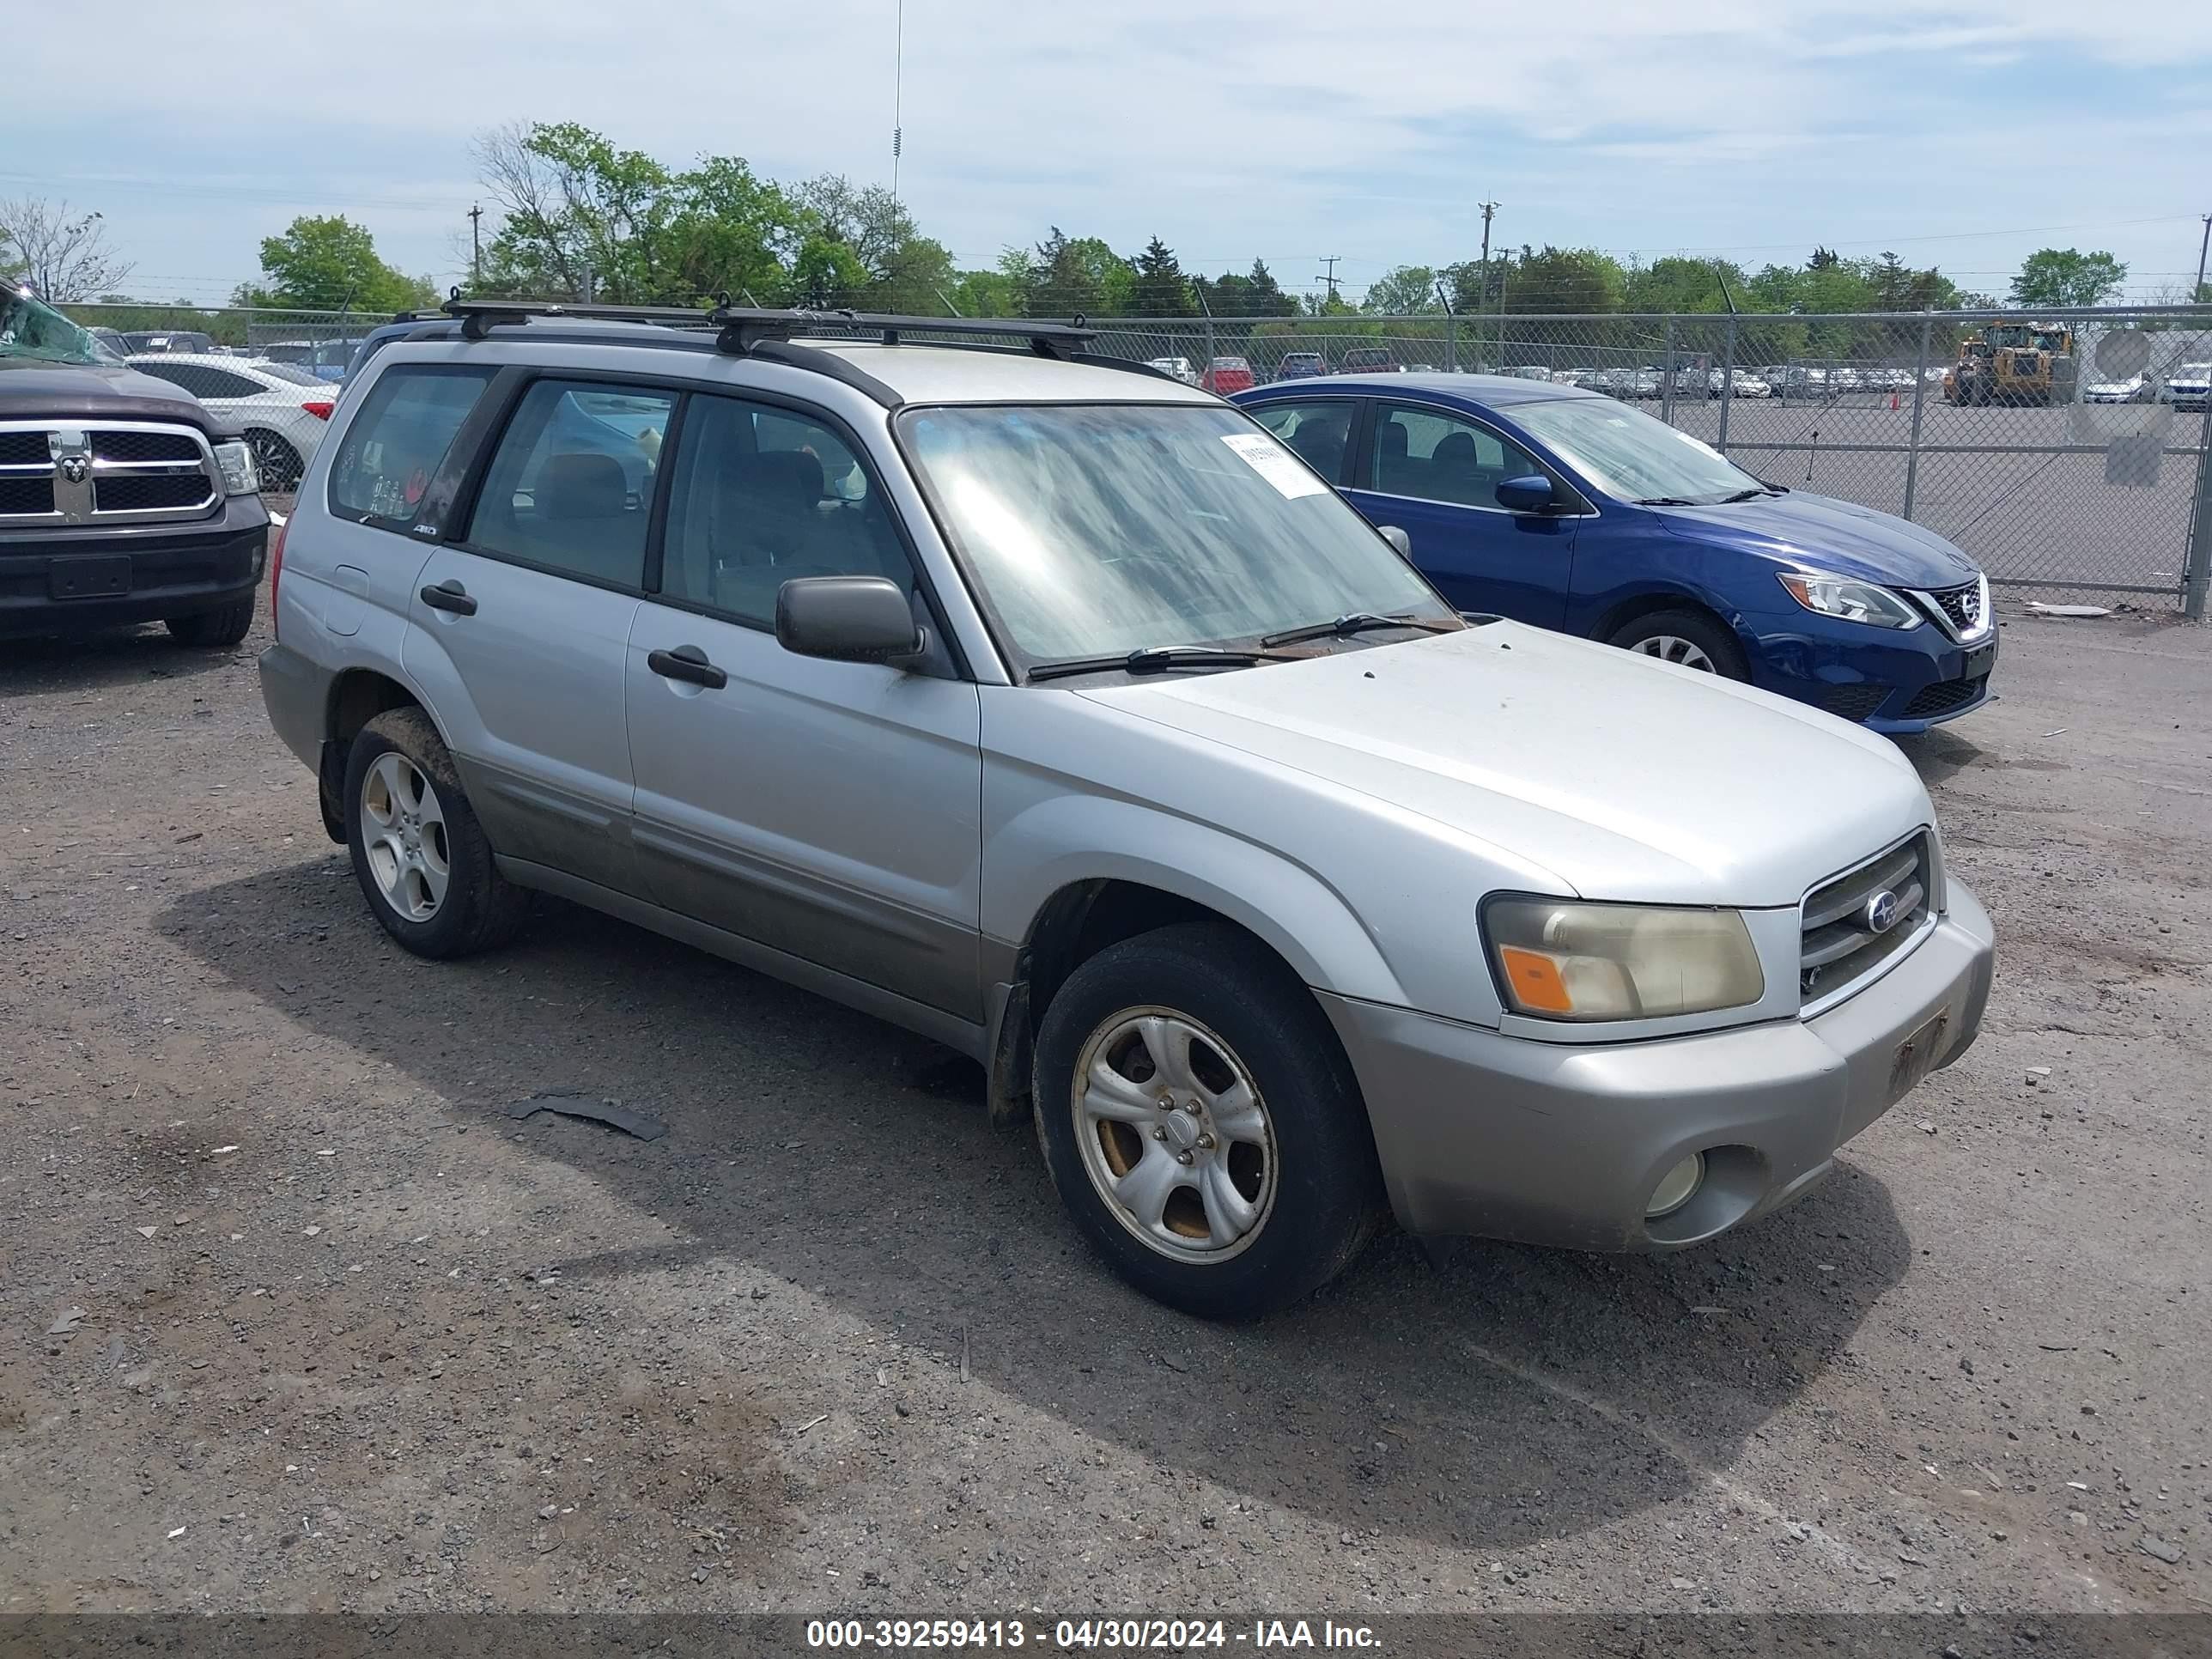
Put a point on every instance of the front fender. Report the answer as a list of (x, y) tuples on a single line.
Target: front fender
[(1061, 838)]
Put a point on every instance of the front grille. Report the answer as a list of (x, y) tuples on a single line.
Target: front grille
[(114, 492), (1853, 703), (18, 494), (1943, 697), (114, 445), (1963, 605), (24, 449), (1840, 943)]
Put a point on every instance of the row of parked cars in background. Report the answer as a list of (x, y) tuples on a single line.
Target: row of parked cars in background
[(1229, 373)]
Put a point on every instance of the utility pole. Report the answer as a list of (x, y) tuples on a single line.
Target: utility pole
[(1488, 210), (898, 94), (2204, 243), (475, 245), (1332, 261)]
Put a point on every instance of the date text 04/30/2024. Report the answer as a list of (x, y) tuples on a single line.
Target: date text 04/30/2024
[(1087, 1635)]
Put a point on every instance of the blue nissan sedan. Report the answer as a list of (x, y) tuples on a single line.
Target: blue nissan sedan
[(1569, 510)]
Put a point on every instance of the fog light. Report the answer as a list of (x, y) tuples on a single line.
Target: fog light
[(1676, 1188)]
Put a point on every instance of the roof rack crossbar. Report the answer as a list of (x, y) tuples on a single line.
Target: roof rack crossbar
[(479, 316), (744, 326)]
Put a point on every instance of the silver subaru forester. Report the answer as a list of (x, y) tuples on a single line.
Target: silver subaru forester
[(1048, 707)]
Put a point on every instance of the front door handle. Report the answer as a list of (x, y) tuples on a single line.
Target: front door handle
[(687, 663), (449, 595)]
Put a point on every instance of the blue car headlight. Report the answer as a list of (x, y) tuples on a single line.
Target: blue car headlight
[(1847, 600)]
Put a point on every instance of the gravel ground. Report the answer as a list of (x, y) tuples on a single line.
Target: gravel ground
[(294, 1316)]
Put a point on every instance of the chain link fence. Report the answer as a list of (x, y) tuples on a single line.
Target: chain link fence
[(2069, 452)]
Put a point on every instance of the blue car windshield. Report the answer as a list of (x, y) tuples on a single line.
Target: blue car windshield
[(1628, 454)]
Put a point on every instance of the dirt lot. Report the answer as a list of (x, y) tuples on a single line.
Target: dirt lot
[(348, 1337)]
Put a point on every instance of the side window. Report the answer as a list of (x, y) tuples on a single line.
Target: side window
[(191, 376), (1320, 431), (1433, 457), (570, 486), (761, 495), (392, 449), (221, 383)]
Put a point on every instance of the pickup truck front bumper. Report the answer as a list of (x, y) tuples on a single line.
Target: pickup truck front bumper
[(1565, 1144), (85, 577)]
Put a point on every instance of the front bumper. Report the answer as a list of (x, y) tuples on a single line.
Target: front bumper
[(1892, 680), (1563, 1143), (174, 570)]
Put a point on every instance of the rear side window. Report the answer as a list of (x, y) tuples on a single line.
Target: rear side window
[(570, 488), (393, 448)]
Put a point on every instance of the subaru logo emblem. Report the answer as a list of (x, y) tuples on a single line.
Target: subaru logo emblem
[(1881, 913)]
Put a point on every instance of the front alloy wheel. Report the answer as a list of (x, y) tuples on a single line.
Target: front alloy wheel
[(1175, 1135)]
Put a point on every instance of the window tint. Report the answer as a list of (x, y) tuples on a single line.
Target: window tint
[(1320, 431), (570, 486), (761, 495), (392, 449), (221, 383), (290, 374), (1435, 458), (191, 376)]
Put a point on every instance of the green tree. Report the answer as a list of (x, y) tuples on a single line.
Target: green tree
[(1564, 280), (2067, 276), (1255, 294), (987, 293), (1076, 276), (1161, 289), (1403, 291), (330, 264), (1676, 283)]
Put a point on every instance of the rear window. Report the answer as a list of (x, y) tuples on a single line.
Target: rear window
[(290, 373), (393, 446)]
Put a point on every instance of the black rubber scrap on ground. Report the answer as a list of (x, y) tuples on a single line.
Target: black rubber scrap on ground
[(574, 1102)]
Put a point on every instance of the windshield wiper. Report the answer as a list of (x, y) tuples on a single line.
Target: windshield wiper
[(1156, 659), (1750, 495), (1358, 622), (1664, 500)]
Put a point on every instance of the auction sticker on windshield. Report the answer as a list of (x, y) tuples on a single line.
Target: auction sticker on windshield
[(1275, 463)]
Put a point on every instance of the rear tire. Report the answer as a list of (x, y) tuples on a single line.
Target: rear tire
[(1260, 1167), (1691, 638), (418, 852), (211, 628)]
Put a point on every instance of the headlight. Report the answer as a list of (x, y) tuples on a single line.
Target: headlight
[(1847, 600), (1557, 959), (240, 476)]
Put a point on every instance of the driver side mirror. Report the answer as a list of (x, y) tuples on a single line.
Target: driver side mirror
[(846, 619), (1397, 539), (1533, 494)]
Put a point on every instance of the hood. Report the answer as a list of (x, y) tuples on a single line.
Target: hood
[(34, 390), (1838, 536), (1625, 777)]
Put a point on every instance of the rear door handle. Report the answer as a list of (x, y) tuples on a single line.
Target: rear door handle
[(687, 663), (449, 595)]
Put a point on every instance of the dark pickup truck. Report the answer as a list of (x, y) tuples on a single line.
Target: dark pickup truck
[(123, 499)]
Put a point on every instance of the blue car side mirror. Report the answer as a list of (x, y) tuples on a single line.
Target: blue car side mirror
[(1533, 494)]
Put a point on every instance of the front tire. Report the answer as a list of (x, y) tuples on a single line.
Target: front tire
[(1201, 1124), (418, 852), (276, 459), (212, 628), (1691, 638)]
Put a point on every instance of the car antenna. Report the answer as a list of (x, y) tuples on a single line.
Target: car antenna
[(1721, 276)]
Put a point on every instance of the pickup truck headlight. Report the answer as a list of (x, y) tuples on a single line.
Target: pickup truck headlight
[(1559, 959), (239, 476), (1847, 600)]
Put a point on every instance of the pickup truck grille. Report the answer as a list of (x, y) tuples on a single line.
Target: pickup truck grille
[(70, 474), (1851, 924)]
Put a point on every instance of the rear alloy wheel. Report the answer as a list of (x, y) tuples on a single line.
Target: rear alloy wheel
[(277, 462), (1689, 639), (1201, 1123)]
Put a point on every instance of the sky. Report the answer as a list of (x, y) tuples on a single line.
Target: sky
[(1963, 135)]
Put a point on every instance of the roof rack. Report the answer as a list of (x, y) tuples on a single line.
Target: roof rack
[(768, 334)]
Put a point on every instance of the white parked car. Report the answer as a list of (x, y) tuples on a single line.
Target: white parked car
[(2133, 390), (283, 410), (2187, 386), (1178, 366)]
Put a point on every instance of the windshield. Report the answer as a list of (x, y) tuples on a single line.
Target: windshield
[(1628, 454), (30, 328), (1097, 529)]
